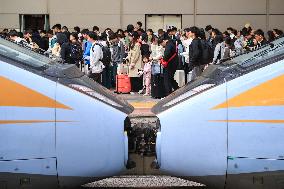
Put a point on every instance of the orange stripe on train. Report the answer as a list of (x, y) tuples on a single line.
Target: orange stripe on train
[(15, 94), (30, 121), (250, 121), (270, 93)]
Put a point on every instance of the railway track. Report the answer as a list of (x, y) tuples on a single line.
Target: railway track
[(141, 182)]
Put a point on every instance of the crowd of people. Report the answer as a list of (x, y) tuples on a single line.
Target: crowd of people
[(141, 54)]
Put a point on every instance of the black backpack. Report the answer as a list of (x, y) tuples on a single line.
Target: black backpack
[(76, 51), (106, 54), (207, 52)]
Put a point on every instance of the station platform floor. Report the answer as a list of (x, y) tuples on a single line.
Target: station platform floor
[(142, 104)]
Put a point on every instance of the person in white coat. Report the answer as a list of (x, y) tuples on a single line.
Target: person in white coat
[(222, 50), (157, 52), (96, 55)]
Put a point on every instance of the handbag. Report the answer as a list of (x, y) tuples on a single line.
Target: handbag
[(165, 63)]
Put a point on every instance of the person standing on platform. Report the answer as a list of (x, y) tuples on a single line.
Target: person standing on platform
[(87, 48), (195, 52), (147, 74), (96, 55), (117, 55), (171, 57), (134, 60)]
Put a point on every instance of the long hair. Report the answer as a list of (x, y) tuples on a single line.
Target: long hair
[(135, 36), (271, 36)]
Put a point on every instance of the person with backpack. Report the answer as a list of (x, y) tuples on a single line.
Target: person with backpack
[(195, 52), (218, 49), (106, 60), (76, 54), (207, 52), (222, 50), (117, 55), (96, 55)]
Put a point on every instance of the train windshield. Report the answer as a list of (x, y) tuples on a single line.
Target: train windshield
[(215, 75), (270, 50), (20, 54)]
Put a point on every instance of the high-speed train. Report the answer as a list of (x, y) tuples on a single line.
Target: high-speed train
[(226, 128), (57, 127)]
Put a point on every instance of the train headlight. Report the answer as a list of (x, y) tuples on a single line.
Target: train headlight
[(188, 94), (93, 93)]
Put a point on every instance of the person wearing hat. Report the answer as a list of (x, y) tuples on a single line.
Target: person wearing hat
[(134, 60)]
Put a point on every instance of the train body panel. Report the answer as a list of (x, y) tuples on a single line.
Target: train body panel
[(255, 114), (192, 145), (91, 143), (22, 100), (255, 173), (32, 173), (54, 132), (248, 123)]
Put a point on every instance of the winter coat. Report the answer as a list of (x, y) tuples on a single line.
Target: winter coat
[(157, 53), (96, 54), (186, 44), (65, 52), (195, 52), (221, 52), (117, 53), (147, 68), (87, 49), (170, 50), (134, 59), (238, 45)]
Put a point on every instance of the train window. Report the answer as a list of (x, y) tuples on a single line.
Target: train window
[(273, 49), (188, 94), (95, 94), (20, 54)]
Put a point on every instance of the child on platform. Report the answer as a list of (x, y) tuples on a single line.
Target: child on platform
[(147, 74)]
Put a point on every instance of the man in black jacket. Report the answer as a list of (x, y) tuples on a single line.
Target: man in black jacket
[(65, 47), (195, 52), (169, 71)]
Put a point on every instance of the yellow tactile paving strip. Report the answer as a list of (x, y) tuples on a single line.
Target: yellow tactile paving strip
[(143, 104)]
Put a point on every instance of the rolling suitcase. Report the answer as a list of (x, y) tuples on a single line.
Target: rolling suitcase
[(180, 78), (123, 84), (189, 75), (157, 84)]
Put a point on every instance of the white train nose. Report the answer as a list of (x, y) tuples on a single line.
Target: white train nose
[(125, 148), (158, 149)]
